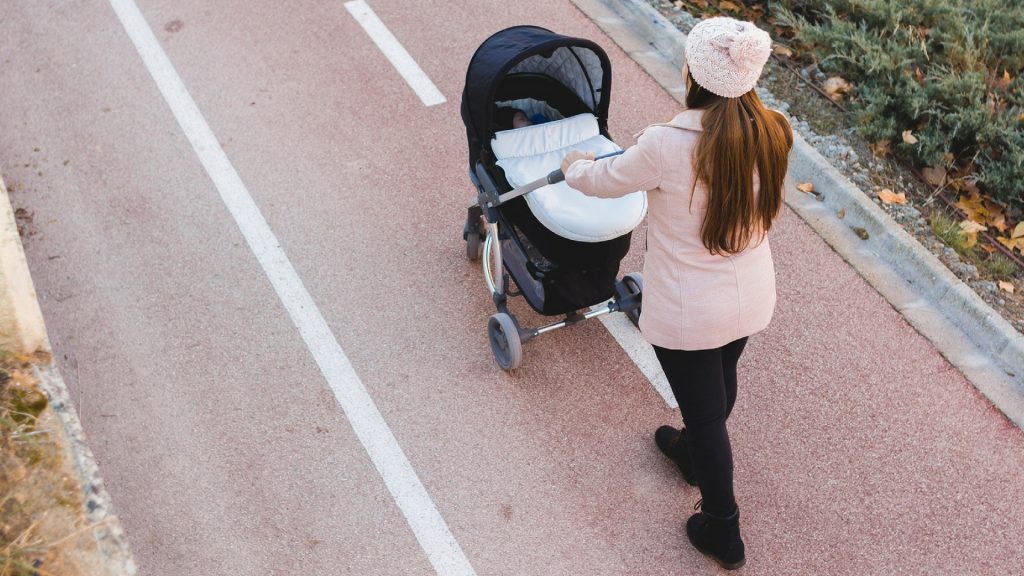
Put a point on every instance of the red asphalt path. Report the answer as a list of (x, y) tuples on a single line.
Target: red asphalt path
[(859, 449)]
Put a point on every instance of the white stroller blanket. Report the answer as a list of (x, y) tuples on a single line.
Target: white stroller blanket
[(529, 153)]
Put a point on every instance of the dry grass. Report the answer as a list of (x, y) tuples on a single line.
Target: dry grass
[(42, 527)]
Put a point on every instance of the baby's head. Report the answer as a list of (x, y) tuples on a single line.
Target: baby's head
[(519, 119), (508, 118)]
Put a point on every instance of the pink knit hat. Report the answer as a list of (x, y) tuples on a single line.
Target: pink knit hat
[(726, 56)]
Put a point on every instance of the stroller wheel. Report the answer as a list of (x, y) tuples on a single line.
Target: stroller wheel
[(474, 241), (634, 282), (505, 342)]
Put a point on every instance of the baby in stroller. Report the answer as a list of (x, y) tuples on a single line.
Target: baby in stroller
[(507, 118), (562, 249)]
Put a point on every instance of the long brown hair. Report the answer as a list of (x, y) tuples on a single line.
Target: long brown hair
[(739, 135)]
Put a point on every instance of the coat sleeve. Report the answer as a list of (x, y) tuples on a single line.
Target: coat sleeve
[(638, 168)]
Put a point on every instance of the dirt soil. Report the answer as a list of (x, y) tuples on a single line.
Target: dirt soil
[(832, 132)]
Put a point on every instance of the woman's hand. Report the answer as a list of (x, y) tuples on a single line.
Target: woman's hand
[(573, 156)]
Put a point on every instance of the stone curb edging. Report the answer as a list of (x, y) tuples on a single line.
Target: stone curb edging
[(109, 535), (25, 331), (963, 327)]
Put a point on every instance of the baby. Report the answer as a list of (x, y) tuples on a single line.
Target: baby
[(511, 118)]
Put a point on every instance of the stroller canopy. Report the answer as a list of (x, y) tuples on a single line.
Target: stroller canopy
[(531, 53)]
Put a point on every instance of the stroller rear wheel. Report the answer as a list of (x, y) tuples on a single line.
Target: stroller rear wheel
[(634, 283), (473, 232), (505, 342)]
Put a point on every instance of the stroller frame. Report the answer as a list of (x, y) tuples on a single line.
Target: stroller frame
[(483, 232), (583, 81)]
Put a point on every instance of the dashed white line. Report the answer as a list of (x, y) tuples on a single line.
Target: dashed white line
[(391, 463), (621, 329), (395, 53)]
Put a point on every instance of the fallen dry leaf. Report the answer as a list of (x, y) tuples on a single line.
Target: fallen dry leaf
[(972, 227), (973, 206), (1006, 286), (1009, 243), (841, 214), (984, 210), (881, 148), (781, 50), (889, 197), (862, 233), (909, 138), (1018, 231), (934, 175), (726, 5), (994, 213), (807, 187), (919, 76), (1005, 81), (988, 248), (997, 221), (836, 86)]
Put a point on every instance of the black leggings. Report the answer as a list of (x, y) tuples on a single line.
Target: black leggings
[(704, 383)]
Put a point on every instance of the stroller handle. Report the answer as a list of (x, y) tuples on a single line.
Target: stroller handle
[(556, 176)]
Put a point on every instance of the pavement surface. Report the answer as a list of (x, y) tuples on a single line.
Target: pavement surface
[(859, 448)]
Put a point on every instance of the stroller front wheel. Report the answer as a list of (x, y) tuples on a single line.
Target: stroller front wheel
[(505, 342)]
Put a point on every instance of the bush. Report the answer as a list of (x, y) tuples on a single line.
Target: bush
[(951, 71)]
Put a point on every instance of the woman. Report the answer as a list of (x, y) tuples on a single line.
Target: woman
[(715, 180)]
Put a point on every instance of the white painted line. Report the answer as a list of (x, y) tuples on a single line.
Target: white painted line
[(394, 51), (642, 354), (401, 480)]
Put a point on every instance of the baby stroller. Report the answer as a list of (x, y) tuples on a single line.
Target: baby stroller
[(561, 248)]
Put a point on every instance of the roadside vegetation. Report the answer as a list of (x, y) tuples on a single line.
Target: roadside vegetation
[(937, 82), (42, 528), (935, 86)]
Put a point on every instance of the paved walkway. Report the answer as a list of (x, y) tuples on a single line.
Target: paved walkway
[(859, 449)]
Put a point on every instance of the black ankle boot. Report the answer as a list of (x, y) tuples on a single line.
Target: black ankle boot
[(718, 537), (672, 443)]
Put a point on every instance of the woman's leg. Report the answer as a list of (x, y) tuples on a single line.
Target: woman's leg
[(730, 357), (699, 382)]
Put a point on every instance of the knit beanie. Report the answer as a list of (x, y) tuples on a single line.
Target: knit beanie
[(726, 56)]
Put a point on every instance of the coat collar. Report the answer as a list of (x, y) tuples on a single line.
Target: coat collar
[(687, 120)]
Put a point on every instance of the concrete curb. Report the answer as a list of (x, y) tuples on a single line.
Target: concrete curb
[(963, 327), (21, 323)]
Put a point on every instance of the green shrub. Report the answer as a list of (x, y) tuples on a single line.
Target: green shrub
[(935, 67)]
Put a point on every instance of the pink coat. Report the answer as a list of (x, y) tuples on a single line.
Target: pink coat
[(692, 300)]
